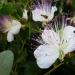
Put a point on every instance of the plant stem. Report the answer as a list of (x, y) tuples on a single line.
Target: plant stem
[(48, 73)]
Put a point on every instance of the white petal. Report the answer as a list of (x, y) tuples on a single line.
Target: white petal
[(25, 16), (51, 14), (50, 37), (54, 8), (69, 38), (46, 56), (15, 27), (36, 15), (10, 37)]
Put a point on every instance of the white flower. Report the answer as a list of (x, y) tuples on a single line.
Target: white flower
[(11, 27), (57, 45), (43, 12), (15, 28), (25, 15)]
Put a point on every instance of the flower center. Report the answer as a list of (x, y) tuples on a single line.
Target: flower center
[(61, 54), (7, 26), (45, 16)]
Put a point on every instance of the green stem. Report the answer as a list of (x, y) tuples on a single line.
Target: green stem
[(48, 73)]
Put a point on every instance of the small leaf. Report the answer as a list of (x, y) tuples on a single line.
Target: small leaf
[(6, 62)]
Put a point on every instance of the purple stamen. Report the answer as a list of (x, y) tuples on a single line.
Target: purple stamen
[(3, 20), (44, 4), (56, 23), (63, 21)]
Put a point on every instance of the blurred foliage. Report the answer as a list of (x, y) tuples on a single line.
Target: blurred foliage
[(24, 61)]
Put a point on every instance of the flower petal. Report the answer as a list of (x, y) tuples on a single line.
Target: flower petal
[(10, 37), (15, 27), (36, 15), (25, 16), (44, 13), (50, 37), (46, 56), (51, 14), (69, 38)]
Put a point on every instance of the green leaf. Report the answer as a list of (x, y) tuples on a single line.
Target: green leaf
[(7, 9), (6, 62)]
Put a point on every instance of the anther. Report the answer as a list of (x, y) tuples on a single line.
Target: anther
[(45, 16)]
